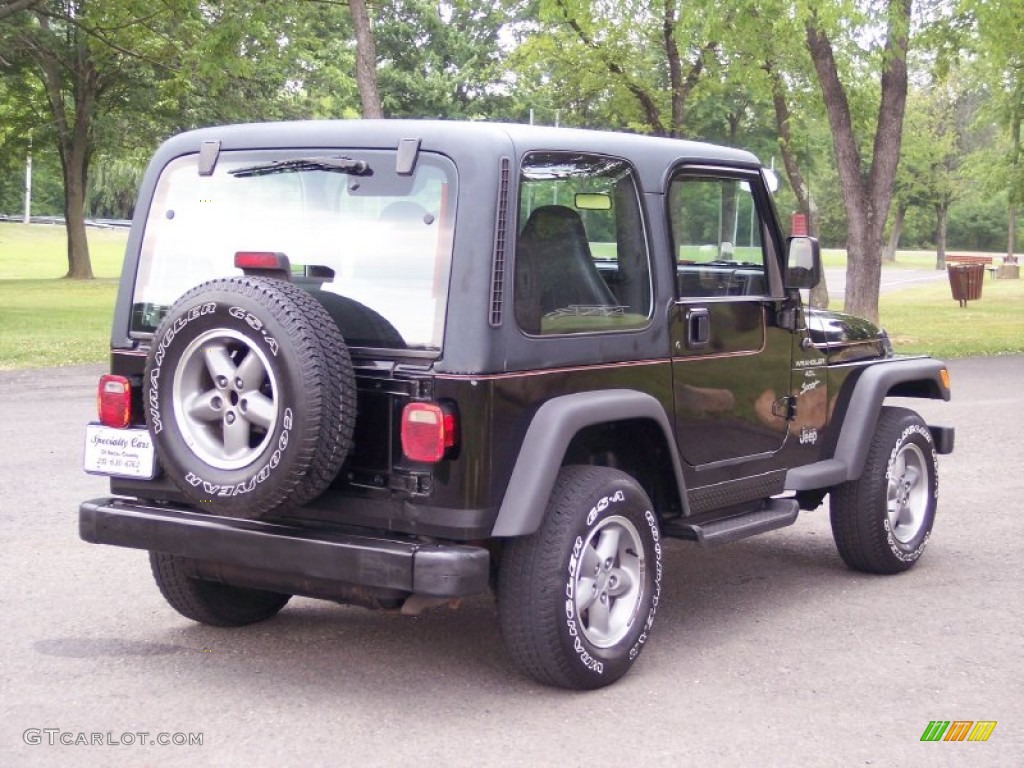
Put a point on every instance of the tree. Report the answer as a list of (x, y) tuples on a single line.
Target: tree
[(51, 38), (784, 128), (928, 174), (366, 60), (867, 188), (764, 54), (654, 54), (444, 60), (110, 70), (1001, 59), (11, 7), (84, 55)]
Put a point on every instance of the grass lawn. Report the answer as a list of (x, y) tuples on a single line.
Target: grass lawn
[(46, 320), (925, 319), (39, 251), (55, 322)]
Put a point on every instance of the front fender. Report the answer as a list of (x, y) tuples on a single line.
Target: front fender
[(553, 427), (915, 377)]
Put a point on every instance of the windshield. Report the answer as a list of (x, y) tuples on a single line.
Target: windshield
[(386, 237)]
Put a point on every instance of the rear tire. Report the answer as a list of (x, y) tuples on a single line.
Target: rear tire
[(577, 598), (882, 521), (208, 602)]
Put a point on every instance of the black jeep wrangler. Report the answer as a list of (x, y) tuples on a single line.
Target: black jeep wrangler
[(397, 363)]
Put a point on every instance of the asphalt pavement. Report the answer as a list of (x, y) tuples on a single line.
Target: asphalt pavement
[(766, 652), (891, 279)]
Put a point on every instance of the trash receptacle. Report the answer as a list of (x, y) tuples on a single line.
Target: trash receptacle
[(965, 280)]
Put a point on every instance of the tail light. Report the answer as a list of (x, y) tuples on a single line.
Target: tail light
[(429, 431), (264, 264), (262, 260), (114, 401)]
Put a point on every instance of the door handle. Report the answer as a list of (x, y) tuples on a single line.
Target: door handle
[(698, 328)]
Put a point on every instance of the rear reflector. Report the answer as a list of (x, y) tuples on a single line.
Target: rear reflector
[(428, 431), (114, 401), (262, 260)]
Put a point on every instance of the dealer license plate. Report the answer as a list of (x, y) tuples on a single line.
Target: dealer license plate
[(119, 452)]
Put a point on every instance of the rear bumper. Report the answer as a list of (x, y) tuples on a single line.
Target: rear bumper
[(291, 553)]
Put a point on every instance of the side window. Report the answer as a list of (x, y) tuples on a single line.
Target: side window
[(582, 263), (716, 238)]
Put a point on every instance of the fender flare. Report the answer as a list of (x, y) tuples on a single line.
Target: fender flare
[(915, 377), (553, 427)]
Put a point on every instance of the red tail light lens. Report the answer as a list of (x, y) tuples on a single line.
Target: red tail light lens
[(114, 401), (428, 431), (262, 260)]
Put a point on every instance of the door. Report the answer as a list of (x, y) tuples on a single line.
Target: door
[(730, 360)]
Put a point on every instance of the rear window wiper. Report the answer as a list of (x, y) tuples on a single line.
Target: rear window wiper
[(330, 164)]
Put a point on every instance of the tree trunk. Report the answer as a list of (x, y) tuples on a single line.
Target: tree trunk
[(675, 68), (79, 261), (366, 60), (889, 254), (74, 141), (1011, 234), (819, 293), (14, 6), (866, 196), (941, 220), (1011, 226)]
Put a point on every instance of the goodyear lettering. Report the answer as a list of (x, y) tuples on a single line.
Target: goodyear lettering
[(254, 482), (652, 522)]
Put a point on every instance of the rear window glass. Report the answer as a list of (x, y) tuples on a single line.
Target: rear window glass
[(386, 237)]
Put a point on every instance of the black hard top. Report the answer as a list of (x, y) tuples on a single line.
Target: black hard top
[(463, 141)]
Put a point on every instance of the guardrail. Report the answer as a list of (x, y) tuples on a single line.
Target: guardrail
[(59, 221)]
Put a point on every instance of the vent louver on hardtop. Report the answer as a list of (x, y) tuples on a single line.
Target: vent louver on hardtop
[(500, 244)]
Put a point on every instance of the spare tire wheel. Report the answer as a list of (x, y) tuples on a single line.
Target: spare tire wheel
[(249, 396)]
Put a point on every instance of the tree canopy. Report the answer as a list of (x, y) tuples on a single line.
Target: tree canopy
[(889, 118)]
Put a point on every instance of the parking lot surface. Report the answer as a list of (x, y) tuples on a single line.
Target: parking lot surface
[(766, 652)]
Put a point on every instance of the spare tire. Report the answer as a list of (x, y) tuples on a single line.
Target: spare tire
[(360, 325), (249, 396)]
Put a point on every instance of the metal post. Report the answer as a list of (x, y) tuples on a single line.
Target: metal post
[(28, 184)]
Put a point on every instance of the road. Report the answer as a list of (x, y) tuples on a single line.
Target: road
[(767, 652), (891, 280)]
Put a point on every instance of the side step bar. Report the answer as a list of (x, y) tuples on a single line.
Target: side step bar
[(772, 514)]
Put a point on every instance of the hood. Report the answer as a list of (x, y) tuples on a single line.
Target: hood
[(846, 338)]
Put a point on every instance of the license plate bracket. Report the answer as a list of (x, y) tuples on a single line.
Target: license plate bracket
[(119, 452)]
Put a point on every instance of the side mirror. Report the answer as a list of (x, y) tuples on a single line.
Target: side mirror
[(803, 263)]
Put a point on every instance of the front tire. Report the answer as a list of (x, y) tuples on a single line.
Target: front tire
[(219, 605), (577, 598), (882, 521)]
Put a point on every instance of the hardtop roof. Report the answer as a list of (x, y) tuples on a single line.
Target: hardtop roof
[(652, 155)]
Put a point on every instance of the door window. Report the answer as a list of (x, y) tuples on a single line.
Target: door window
[(717, 238)]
